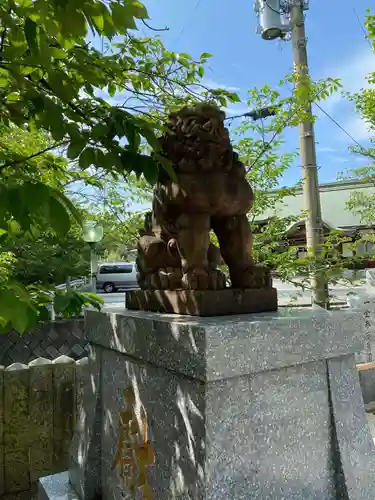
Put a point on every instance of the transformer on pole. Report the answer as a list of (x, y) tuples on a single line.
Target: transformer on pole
[(274, 17), (285, 19)]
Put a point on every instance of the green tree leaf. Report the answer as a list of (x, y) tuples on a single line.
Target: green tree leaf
[(13, 310), (112, 89), (55, 96), (87, 158), (123, 17), (150, 171), (61, 303), (75, 149), (93, 300), (58, 216), (151, 138), (35, 195), (138, 9), (30, 34), (12, 97), (65, 201), (71, 302), (167, 166)]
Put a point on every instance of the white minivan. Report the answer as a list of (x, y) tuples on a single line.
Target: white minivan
[(114, 276)]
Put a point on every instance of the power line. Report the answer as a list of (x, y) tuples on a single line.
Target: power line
[(196, 7), (248, 114), (284, 9), (362, 28), (277, 132), (268, 144), (271, 8), (338, 125)]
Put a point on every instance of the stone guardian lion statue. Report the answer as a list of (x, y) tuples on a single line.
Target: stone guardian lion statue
[(210, 193)]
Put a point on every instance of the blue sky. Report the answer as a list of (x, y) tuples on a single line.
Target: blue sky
[(336, 48)]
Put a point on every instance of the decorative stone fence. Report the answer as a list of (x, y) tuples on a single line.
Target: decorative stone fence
[(39, 405), (49, 340)]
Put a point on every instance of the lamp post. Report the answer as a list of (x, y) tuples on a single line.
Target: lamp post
[(92, 234)]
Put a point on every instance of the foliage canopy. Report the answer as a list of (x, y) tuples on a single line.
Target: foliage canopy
[(75, 79), (53, 86)]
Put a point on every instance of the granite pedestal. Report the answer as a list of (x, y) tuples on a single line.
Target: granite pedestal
[(258, 407)]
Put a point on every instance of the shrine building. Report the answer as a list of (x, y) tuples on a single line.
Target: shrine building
[(335, 215)]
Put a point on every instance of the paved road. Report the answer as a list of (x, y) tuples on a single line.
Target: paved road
[(113, 299), (286, 292)]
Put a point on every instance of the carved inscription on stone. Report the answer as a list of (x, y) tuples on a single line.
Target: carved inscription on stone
[(134, 453)]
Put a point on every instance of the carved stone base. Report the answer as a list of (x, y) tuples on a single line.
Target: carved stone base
[(204, 302)]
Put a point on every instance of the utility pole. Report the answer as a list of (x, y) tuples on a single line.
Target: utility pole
[(313, 222), (292, 19)]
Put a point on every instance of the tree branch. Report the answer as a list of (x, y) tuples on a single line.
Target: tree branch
[(2, 41), (34, 155), (154, 29), (2, 38)]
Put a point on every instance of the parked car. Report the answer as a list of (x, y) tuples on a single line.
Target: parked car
[(115, 276)]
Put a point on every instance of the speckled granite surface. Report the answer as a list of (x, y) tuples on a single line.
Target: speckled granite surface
[(227, 346), (255, 407), (265, 434), (56, 487)]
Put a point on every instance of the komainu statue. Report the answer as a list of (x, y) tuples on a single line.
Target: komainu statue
[(210, 193)]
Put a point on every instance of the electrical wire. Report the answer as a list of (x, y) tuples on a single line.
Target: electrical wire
[(248, 114), (362, 28), (271, 8), (277, 132), (275, 135), (196, 7), (283, 9), (338, 125), (318, 106)]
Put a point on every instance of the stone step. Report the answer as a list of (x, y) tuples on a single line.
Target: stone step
[(56, 487)]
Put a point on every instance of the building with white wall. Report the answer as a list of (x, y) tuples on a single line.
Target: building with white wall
[(335, 214)]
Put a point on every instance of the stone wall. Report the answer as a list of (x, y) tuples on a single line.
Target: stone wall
[(39, 405), (50, 340)]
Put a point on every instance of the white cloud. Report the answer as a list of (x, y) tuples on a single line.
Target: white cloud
[(353, 74), (212, 84), (361, 159), (323, 149), (340, 159), (236, 109), (358, 128)]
